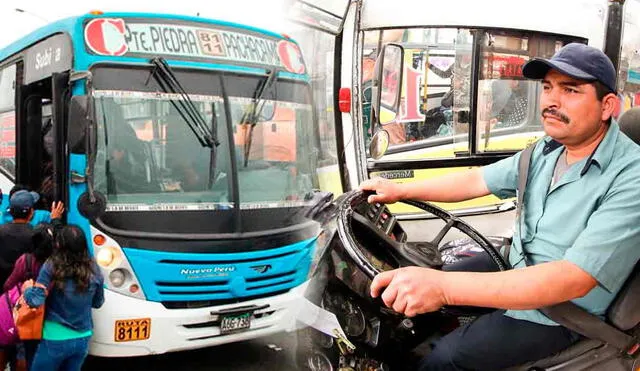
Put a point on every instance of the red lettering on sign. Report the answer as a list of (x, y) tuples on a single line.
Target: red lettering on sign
[(409, 110), (505, 66)]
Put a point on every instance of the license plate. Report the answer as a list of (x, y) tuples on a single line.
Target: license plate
[(235, 322), (132, 329)]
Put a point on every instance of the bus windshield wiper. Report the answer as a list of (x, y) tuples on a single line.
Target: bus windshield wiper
[(185, 106), (251, 117)]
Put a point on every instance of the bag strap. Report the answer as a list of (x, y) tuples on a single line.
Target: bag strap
[(567, 313), (6, 296), (29, 266), (523, 174)]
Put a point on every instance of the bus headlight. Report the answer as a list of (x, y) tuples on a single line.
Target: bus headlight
[(107, 256), (114, 265), (117, 277)]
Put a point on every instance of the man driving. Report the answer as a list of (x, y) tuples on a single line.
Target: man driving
[(579, 226)]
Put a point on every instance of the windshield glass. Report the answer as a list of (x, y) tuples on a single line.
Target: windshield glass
[(437, 105), (149, 159)]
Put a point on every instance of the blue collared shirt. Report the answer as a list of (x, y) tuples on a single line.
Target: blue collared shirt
[(39, 216), (590, 217)]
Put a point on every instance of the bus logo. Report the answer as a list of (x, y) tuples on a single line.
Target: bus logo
[(291, 57), (218, 271), (261, 268), (105, 36)]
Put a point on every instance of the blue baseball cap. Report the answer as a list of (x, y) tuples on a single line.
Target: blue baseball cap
[(579, 61), (23, 200)]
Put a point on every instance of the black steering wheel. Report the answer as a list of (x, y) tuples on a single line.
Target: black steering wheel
[(405, 254)]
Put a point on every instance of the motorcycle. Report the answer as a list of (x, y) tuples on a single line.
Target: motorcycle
[(358, 241)]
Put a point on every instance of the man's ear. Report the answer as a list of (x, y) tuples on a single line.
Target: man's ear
[(609, 104)]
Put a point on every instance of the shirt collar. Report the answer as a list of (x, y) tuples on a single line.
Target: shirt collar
[(600, 156)]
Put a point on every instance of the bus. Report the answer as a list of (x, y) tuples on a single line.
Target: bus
[(187, 150)]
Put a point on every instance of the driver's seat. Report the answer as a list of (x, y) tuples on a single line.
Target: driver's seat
[(623, 313)]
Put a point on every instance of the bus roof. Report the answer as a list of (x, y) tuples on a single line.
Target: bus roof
[(579, 18)]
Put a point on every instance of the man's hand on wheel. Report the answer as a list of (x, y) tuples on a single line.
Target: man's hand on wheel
[(410, 290), (387, 192)]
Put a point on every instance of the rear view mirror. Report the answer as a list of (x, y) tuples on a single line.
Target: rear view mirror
[(77, 123), (379, 144), (387, 83)]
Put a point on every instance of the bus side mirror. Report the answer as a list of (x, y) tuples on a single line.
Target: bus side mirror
[(92, 207), (77, 124), (379, 144), (387, 83)]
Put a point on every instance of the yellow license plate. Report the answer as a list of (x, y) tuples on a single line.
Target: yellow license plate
[(132, 329)]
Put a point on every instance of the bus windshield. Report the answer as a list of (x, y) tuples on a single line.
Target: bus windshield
[(148, 157)]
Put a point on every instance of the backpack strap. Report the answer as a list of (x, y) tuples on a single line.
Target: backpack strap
[(567, 313)]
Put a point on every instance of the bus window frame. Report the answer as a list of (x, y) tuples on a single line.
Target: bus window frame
[(471, 157), (103, 223), (16, 102)]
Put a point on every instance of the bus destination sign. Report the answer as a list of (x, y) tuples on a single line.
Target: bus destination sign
[(117, 37)]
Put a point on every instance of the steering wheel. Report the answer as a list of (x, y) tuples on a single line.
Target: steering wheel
[(403, 253)]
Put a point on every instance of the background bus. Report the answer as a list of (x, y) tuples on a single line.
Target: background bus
[(185, 149), (464, 101)]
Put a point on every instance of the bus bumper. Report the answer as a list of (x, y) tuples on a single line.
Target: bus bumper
[(175, 330)]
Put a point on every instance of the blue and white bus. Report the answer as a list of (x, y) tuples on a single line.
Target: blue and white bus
[(185, 148)]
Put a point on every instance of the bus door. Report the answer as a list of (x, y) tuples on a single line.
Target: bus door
[(320, 25), (42, 95)]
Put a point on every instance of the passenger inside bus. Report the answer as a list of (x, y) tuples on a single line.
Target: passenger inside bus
[(509, 103), (438, 120), (47, 185), (190, 178), (130, 167), (128, 171)]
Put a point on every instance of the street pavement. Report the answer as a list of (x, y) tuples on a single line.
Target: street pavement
[(272, 353)]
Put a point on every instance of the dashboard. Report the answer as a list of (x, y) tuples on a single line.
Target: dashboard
[(382, 218)]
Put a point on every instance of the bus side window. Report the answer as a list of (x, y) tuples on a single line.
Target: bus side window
[(7, 124)]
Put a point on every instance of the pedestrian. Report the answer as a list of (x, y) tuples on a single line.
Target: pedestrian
[(75, 285), (15, 240), (28, 267), (39, 216), (15, 237), (43, 240)]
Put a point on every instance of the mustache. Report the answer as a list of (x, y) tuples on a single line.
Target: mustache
[(552, 112)]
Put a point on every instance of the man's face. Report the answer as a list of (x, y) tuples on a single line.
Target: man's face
[(571, 111)]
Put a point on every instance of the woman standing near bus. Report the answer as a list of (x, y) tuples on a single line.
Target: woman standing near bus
[(75, 285)]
